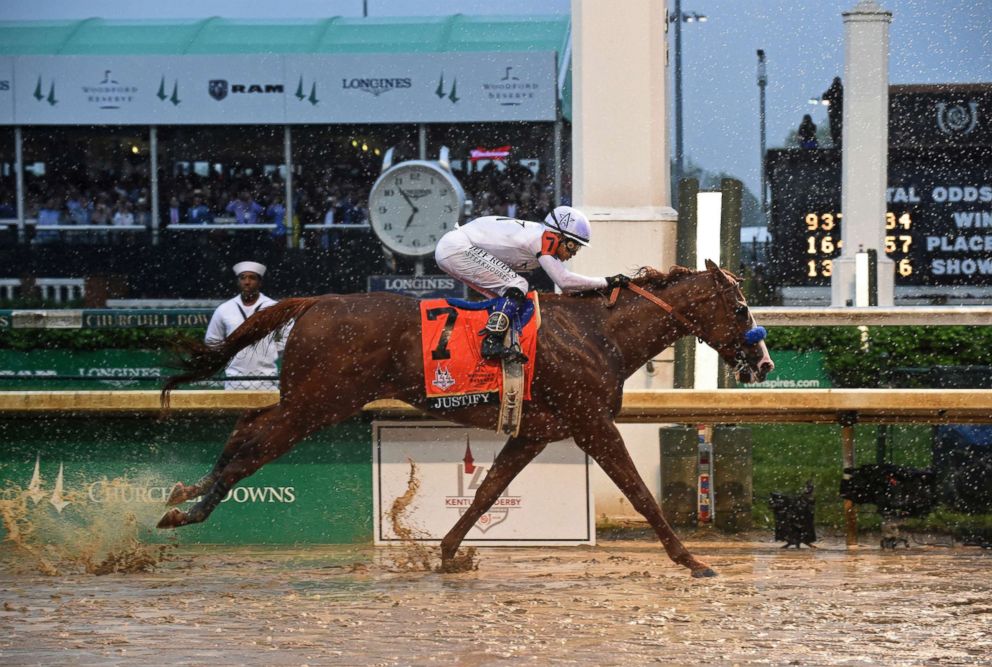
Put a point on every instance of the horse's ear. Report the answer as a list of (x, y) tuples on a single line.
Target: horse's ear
[(717, 271)]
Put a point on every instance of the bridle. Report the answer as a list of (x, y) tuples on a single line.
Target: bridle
[(749, 336)]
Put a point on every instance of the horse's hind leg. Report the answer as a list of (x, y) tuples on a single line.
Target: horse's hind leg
[(605, 445), (241, 433), (268, 436), (515, 455)]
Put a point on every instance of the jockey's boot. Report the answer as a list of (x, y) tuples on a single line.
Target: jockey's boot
[(499, 323)]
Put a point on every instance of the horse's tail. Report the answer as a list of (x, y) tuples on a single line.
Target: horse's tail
[(199, 361)]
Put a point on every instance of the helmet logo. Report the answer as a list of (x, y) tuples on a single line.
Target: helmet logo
[(565, 221)]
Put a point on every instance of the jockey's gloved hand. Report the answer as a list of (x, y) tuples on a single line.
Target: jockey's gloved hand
[(618, 280)]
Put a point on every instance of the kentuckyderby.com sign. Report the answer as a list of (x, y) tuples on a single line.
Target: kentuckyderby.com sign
[(549, 503)]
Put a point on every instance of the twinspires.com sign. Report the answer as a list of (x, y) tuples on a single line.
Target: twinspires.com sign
[(278, 89)]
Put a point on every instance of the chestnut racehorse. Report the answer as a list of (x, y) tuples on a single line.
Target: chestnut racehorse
[(348, 350)]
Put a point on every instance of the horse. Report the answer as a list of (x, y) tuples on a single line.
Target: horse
[(345, 351)]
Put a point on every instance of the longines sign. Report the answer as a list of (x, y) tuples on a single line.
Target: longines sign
[(277, 89), (549, 503)]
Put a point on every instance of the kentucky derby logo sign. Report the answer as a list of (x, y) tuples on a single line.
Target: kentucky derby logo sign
[(442, 378), (470, 477), (957, 119)]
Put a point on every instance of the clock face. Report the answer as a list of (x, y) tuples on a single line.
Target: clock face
[(413, 204)]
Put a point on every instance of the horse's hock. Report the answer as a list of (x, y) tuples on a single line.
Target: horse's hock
[(730, 476)]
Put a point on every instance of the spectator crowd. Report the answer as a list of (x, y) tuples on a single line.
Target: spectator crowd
[(330, 196)]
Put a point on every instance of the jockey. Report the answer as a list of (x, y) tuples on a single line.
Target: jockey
[(486, 253)]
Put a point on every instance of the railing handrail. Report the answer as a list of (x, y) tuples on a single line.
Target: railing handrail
[(335, 225), (201, 226)]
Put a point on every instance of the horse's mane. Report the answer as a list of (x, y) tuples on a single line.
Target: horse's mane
[(648, 276)]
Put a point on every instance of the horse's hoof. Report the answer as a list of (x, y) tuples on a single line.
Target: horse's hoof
[(173, 519), (703, 572), (180, 494)]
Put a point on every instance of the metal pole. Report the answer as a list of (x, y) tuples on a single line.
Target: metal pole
[(153, 150), (685, 255), (422, 141), (730, 247), (557, 159), (19, 169), (847, 422), (762, 83), (679, 166), (287, 156)]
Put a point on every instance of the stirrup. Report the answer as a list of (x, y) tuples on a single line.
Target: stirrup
[(493, 349)]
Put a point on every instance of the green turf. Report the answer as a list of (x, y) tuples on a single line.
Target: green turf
[(785, 456)]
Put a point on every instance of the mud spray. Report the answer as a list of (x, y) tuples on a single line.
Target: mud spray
[(417, 557), (73, 534)]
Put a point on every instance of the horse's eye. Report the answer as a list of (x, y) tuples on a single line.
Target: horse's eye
[(740, 310)]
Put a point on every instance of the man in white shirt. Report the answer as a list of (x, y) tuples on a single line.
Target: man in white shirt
[(487, 252), (258, 359)]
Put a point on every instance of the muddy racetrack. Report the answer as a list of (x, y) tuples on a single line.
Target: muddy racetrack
[(619, 603)]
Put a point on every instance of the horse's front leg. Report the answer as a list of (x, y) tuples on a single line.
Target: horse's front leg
[(515, 455), (603, 443)]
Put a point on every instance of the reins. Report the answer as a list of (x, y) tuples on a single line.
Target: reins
[(751, 337), (661, 303)]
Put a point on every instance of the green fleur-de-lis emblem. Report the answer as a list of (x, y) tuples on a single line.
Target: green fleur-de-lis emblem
[(452, 94), (161, 94), (38, 95), (300, 95)]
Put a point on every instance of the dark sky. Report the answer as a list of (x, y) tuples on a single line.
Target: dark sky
[(931, 41)]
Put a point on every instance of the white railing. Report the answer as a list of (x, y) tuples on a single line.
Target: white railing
[(333, 225), (57, 290), (12, 222), (61, 289), (9, 287)]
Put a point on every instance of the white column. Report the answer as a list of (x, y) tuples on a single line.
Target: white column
[(620, 171), (865, 150), (620, 176)]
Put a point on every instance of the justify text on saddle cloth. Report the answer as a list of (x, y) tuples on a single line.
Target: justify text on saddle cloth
[(455, 374)]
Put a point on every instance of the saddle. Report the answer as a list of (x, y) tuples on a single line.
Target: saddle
[(456, 375)]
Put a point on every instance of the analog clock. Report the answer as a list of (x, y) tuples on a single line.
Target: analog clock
[(413, 204)]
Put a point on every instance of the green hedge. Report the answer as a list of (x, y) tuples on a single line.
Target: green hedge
[(852, 362), (94, 339), (847, 360)]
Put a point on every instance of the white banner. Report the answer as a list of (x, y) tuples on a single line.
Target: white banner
[(277, 89), (6, 91), (549, 503)]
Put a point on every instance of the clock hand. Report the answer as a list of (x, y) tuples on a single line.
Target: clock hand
[(407, 198), (410, 219)]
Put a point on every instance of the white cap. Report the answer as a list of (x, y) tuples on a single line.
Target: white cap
[(253, 267)]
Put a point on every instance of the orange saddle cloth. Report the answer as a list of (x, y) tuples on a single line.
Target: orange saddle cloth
[(455, 374)]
